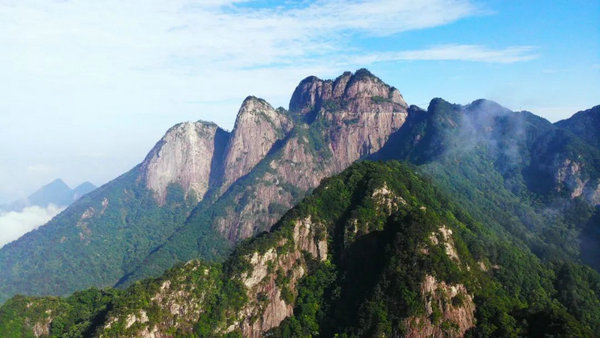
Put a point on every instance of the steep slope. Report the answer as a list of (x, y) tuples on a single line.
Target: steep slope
[(515, 171), (201, 189), (334, 124), (104, 234), (374, 251), (347, 123), (257, 127), (186, 156)]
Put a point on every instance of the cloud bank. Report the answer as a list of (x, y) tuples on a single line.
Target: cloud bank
[(15, 224)]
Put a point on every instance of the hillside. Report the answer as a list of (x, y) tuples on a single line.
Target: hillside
[(514, 171), (376, 250)]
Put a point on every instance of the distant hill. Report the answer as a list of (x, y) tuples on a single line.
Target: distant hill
[(56, 192)]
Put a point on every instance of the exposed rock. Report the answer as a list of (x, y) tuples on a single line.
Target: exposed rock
[(182, 299), (268, 305), (344, 120), (449, 311), (386, 200), (183, 156), (42, 328), (448, 242), (132, 319), (257, 127), (359, 92), (570, 175)]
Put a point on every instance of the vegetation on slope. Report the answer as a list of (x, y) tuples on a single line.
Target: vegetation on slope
[(96, 241), (381, 248)]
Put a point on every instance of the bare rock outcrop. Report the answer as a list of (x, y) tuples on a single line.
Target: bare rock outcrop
[(182, 298), (272, 278), (449, 311), (183, 156), (358, 92), (337, 123), (257, 127), (571, 175)]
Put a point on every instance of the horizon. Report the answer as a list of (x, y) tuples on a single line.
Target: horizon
[(92, 87)]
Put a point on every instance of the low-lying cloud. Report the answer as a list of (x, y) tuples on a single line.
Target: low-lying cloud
[(15, 224)]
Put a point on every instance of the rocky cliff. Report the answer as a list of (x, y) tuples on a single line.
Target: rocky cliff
[(186, 156), (335, 123), (257, 127), (330, 124)]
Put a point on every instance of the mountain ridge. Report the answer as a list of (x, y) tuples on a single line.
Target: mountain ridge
[(185, 167)]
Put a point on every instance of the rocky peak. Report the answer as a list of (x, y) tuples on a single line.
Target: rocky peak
[(336, 123), (358, 92), (257, 127), (183, 156)]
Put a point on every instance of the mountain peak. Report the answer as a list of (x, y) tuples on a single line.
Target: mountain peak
[(57, 183), (257, 127), (362, 88), (83, 189), (585, 124), (56, 192), (254, 104), (184, 155)]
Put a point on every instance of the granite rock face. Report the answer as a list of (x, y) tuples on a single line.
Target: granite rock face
[(257, 127), (183, 156), (335, 123), (280, 154), (359, 92)]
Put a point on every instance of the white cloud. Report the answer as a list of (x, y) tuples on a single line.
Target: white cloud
[(15, 224), (95, 39), (456, 52)]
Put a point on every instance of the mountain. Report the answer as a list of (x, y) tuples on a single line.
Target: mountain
[(83, 189), (530, 153), (202, 189), (585, 124), (56, 192), (516, 171), (374, 251)]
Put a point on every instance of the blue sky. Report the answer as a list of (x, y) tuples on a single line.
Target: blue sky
[(89, 86)]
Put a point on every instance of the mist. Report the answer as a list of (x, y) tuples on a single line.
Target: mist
[(15, 224)]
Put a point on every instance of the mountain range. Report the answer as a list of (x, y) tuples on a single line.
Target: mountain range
[(489, 226)]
